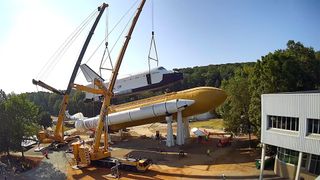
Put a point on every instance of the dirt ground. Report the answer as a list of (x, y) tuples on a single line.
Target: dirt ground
[(236, 161), (232, 162)]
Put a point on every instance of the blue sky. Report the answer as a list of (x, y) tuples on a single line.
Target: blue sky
[(188, 33)]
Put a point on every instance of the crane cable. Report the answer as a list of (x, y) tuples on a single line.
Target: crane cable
[(119, 21), (115, 26), (153, 41), (56, 57), (106, 49)]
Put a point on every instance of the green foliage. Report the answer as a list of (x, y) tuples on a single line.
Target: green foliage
[(296, 68), (46, 101), (235, 109), (51, 102), (211, 75), (19, 117), (3, 122), (45, 119)]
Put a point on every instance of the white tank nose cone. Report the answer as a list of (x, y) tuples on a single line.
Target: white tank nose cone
[(184, 102)]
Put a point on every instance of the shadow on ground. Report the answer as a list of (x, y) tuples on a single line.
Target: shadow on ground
[(45, 170), (196, 153)]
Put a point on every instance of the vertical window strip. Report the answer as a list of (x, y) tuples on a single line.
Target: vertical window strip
[(285, 125), (313, 126), (318, 126), (315, 164), (304, 160)]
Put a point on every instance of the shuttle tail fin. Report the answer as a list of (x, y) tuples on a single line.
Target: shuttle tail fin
[(89, 74)]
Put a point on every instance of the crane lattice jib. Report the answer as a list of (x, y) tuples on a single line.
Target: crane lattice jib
[(109, 90)]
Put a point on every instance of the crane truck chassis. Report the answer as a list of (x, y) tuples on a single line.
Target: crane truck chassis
[(127, 164)]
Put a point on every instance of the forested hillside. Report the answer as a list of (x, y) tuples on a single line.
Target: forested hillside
[(211, 75)]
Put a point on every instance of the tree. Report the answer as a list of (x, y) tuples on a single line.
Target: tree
[(45, 119), (21, 117), (235, 111), (296, 68), (3, 122)]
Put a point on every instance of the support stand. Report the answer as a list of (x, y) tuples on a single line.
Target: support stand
[(186, 128), (180, 129), (170, 140)]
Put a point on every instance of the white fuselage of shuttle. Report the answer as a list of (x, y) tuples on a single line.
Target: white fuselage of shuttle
[(155, 78)]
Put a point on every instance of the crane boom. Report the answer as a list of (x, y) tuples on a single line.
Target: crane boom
[(46, 86), (109, 91), (58, 133), (59, 128)]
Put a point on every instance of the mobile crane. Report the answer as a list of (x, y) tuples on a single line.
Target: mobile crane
[(85, 155), (58, 136)]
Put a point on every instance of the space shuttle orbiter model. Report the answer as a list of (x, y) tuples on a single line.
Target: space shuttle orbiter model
[(148, 80)]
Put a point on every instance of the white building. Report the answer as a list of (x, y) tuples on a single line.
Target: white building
[(291, 122)]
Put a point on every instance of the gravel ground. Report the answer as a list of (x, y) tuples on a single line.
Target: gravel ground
[(235, 161), (53, 168)]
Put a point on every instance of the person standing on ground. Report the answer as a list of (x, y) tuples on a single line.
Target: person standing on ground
[(45, 154)]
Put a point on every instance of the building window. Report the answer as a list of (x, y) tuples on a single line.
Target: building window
[(315, 164), (313, 126), (281, 122), (288, 156), (304, 160)]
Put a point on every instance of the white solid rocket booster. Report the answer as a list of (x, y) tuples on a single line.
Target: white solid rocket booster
[(155, 110)]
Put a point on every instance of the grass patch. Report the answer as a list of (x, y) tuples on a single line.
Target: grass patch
[(210, 124)]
